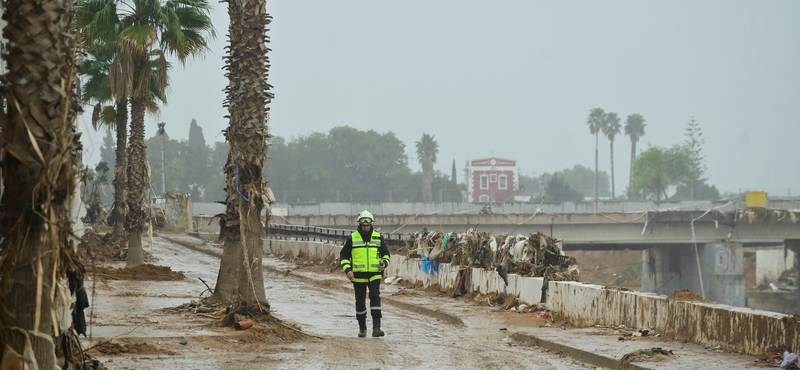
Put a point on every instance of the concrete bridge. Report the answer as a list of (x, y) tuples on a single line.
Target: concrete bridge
[(670, 261), (600, 231)]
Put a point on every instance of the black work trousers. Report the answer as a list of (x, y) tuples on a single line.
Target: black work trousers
[(374, 299)]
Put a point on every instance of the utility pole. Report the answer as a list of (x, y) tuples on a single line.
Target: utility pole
[(163, 133)]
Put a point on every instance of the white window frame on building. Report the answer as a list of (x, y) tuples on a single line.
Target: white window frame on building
[(483, 198), (502, 182), (484, 184), (493, 177)]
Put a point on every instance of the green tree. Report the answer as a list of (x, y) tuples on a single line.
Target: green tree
[(634, 128), (596, 122), (560, 190), (694, 142), (197, 162), (656, 169), (427, 148), (611, 129)]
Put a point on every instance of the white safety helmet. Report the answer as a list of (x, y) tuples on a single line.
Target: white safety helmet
[(365, 218)]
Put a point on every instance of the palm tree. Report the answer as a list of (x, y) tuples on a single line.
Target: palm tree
[(427, 148), (106, 81), (247, 98), (178, 27), (634, 127), (39, 169), (596, 121), (611, 130)]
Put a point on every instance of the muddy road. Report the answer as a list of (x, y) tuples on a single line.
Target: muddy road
[(146, 334)]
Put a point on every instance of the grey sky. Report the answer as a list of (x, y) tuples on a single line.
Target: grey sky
[(517, 79)]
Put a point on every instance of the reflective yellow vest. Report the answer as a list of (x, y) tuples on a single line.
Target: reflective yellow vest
[(366, 254)]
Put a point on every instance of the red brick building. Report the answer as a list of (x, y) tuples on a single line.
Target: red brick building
[(491, 180)]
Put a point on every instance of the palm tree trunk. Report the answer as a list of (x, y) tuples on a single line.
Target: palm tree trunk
[(596, 164), (39, 171), (137, 169), (427, 174), (247, 98), (633, 158), (613, 191), (227, 278), (118, 212)]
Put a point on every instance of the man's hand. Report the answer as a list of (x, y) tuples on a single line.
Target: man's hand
[(350, 275), (382, 266)]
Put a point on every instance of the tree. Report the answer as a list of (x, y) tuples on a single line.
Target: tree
[(694, 142), (427, 148), (611, 128), (453, 175), (107, 149), (39, 173), (656, 169), (175, 26), (105, 82), (634, 128), (247, 97), (596, 122), (197, 160), (560, 191)]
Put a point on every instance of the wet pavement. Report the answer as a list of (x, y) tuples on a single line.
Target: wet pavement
[(132, 312)]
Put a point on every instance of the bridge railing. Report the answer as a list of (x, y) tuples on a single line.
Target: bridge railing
[(314, 233)]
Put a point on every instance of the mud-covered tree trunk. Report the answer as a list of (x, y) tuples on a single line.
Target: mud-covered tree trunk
[(247, 98), (120, 171), (137, 166), (39, 172), (613, 190)]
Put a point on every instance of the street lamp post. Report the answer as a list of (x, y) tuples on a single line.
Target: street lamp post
[(163, 133)]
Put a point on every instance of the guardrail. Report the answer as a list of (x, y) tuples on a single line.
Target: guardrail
[(314, 233)]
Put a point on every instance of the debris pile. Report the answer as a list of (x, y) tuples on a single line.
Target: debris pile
[(535, 255)]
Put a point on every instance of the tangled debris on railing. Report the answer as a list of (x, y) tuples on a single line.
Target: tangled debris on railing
[(535, 255)]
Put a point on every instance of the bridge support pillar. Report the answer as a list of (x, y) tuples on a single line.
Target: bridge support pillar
[(666, 268), (794, 246)]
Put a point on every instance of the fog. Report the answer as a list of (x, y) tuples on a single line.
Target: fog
[(517, 80)]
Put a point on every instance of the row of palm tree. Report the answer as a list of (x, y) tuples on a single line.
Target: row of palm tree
[(609, 125), (126, 42)]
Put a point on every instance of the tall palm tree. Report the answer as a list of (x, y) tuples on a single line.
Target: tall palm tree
[(247, 98), (39, 170), (596, 121), (611, 130), (634, 127), (427, 148), (178, 27), (106, 81)]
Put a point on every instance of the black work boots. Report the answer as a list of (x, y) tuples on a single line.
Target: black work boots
[(362, 327), (376, 328)]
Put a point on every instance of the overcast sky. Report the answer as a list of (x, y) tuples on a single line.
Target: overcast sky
[(517, 79)]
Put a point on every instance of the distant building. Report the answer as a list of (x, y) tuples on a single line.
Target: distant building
[(491, 180)]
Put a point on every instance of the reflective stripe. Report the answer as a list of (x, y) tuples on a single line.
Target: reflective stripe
[(376, 266), (361, 313), (360, 280), (359, 266), (376, 277), (375, 308)]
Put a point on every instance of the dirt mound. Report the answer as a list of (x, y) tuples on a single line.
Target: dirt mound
[(138, 273), (268, 329), (99, 248), (685, 295), (137, 348)]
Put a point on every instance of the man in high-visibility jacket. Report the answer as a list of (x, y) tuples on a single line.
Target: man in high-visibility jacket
[(364, 257)]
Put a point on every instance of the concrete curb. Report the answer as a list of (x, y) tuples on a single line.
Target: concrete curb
[(575, 353), (448, 318)]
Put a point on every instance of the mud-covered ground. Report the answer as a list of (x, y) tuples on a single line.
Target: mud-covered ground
[(136, 324)]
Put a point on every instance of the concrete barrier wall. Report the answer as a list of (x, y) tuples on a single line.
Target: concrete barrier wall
[(734, 328)]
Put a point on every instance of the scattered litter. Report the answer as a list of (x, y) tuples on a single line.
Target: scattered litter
[(503, 329), (656, 354), (543, 314), (790, 360), (184, 342)]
